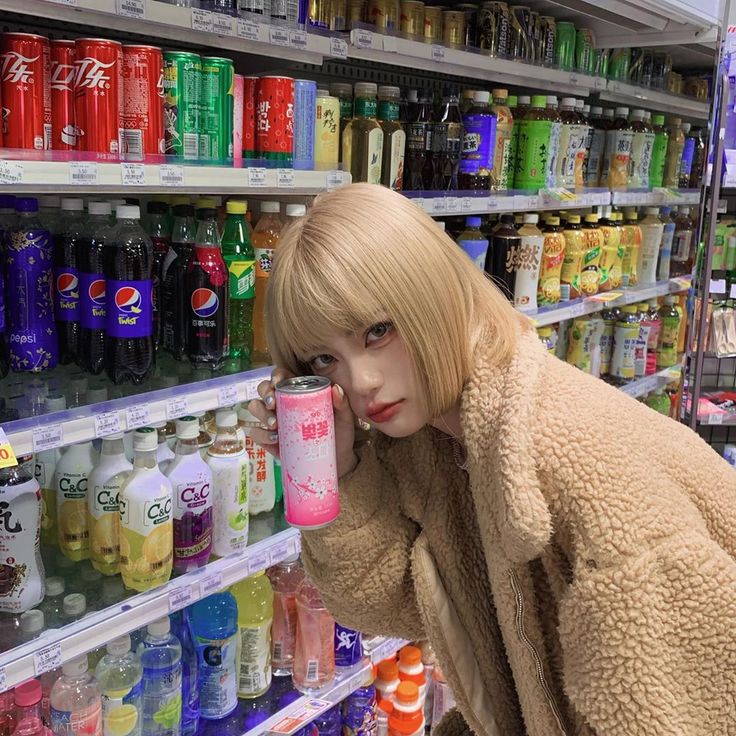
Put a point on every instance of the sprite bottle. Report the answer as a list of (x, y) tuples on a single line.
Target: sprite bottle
[(239, 256)]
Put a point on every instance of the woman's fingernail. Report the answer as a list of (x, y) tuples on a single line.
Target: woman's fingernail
[(271, 422), (340, 391), (274, 436), (269, 400)]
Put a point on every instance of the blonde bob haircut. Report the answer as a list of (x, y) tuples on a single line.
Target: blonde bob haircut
[(364, 254)]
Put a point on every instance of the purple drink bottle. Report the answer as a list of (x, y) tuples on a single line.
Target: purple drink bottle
[(30, 310), (158, 227), (66, 278), (128, 265), (92, 288)]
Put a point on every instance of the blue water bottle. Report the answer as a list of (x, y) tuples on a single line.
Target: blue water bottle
[(181, 626)]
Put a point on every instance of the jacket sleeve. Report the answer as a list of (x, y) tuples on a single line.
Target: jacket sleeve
[(361, 562)]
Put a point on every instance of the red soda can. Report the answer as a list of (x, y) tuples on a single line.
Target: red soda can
[(238, 90), (275, 119), (143, 111), (26, 93), (63, 126), (249, 117), (98, 95)]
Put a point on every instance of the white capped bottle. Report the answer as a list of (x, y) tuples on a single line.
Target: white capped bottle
[(529, 261), (119, 674), (76, 702), (652, 229), (261, 469)]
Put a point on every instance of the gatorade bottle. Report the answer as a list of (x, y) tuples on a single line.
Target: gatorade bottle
[(285, 578), (105, 482), (181, 628), (191, 481), (158, 227), (530, 261), (240, 259), (128, 265), (473, 242), (411, 668), (407, 717), (387, 679), (71, 480), (146, 528), (66, 277), (120, 674), (76, 701), (265, 240), (314, 655), (92, 288), (214, 623)]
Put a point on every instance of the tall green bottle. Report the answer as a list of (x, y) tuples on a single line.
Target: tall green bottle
[(240, 258)]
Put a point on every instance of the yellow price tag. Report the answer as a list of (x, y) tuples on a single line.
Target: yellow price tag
[(7, 456), (607, 296)]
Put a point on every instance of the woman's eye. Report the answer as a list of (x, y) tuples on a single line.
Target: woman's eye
[(379, 331), (321, 361)]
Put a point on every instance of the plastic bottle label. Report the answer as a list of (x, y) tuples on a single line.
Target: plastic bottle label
[(641, 158), (595, 157), (396, 159), (479, 144), (230, 503), (374, 152), (71, 503), (129, 309), (254, 675), (618, 158), (121, 710), (534, 154), (217, 682), (82, 722), (665, 251), (528, 263), (261, 478), (104, 521), (640, 356), (66, 291), (659, 156), (193, 516), (651, 237), (553, 255), (476, 250), (688, 153), (681, 245), (242, 276), (162, 703), (92, 301), (264, 262), (626, 336)]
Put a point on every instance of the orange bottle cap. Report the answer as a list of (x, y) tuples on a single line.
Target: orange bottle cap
[(410, 655), (406, 725), (407, 692), (388, 670), (386, 706)]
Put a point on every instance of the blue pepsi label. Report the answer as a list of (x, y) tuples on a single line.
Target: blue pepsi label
[(348, 646), (204, 304), (129, 308), (92, 290), (66, 293)]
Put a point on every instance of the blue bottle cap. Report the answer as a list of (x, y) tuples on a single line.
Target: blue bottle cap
[(7, 201), (26, 204), (472, 221)]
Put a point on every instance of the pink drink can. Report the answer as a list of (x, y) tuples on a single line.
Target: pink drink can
[(308, 458)]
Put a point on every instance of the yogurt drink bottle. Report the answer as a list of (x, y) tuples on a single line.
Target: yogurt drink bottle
[(261, 469)]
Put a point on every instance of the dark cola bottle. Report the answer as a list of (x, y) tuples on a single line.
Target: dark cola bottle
[(158, 226)]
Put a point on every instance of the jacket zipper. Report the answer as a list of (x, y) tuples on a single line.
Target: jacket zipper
[(530, 646)]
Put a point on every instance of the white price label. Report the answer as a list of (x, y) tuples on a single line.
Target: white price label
[(733, 291), (284, 177), (251, 388), (131, 8), (363, 38), (211, 584), (223, 24), (83, 173), (438, 53), (248, 30), (298, 40), (3, 680), (258, 561), (171, 175), (576, 310), (334, 179), (202, 20), (228, 395), (137, 416), (715, 419), (389, 44), (573, 78), (47, 659), (132, 174), (176, 408), (338, 48), (466, 204), (48, 437), (256, 177), (494, 203), (11, 172), (278, 553), (599, 83), (106, 423), (718, 286), (278, 35), (452, 204), (66, 2), (533, 202), (180, 598)]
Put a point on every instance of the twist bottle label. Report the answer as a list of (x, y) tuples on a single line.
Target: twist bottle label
[(66, 303), (92, 293), (129, 309)]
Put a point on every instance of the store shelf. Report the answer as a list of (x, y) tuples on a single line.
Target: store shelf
[(656, 197), (85, 423), (656, 100), (92, 177), (644, 386), (618, 298), (96, 629), (308, 707)]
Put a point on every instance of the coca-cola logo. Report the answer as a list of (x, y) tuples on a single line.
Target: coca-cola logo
[(17, 69), (91, 74), (62, 77)]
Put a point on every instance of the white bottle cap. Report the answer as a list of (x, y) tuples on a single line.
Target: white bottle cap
[(75, 667), (96, 394), (31, 622), (567, 102), (245, 416), (525, 100), (608, 113), (595, 110), (55, 402), (652, 211), (120, 646), (112, 588), (653, 303), (90, 575), (99, 208), (366, 89), (481, 95), (115, 203), (638, 114), (72, 204), (296, 210), (49, 200), (270, 207), (113, 436), (128, 212), (75, 604), (531, 218), (161, 627), (158, 425), (187, 428), (551, 100), (145, 439), (55, 585), (686, 128), (226, 418), (622, 112)]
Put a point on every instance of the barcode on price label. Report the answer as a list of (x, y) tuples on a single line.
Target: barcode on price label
[(256, 177), (228, 395), (47, 659), (83, 173), (223, 24), (132, 174), (338, 48), (279, 552), (131, 8), (3, 680), (363, 39), (715, 419), (334, 179), (248, 30), (11, 172), (171, 175), (180, 598), (285, 177), (211, 584), (202, 20), (278, 35), (137, 416), (48, 437), (258, 561), (298, 39), (176, 408), (106, 423), (438, 52)]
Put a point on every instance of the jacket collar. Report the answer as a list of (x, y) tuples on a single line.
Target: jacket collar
[(498, 410)]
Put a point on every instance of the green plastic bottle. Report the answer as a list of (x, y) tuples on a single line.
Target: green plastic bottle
[(240, 258), (535, 141), (659, 401), (659, 152), (667, 347)]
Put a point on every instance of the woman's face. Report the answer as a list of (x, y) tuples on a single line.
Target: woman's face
[(375, 371)]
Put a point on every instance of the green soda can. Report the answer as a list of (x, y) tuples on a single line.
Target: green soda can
[(584, 51), (600, 63), (216, 110), (182, 84), (619, 65), (565, 46)]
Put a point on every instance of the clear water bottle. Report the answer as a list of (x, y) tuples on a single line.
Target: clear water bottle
[(76, 702), (189, 690), (120, 675), (160, 655), (52, 605)]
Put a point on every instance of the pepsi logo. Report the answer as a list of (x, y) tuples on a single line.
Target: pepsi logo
[(96, 292), (204, 302), (67, 285), (128, 300)]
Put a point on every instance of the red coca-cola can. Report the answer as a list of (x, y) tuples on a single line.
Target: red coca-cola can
[(98, 95), (249, 117), (63, 127), (275, 119), (25, 91), (143, 106)]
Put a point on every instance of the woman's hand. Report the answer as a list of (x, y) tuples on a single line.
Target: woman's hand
[(264, 409)]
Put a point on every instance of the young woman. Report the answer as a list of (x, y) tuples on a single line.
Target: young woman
[(569, 553)]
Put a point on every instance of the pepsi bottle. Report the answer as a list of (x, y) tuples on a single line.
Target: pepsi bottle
[(174, 293), (92, 290), (30, 305), (207, 290), (159, 230), (127, 260), (66, 278)]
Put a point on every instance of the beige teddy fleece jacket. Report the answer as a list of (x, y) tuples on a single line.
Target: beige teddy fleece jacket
[(579, 579)]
